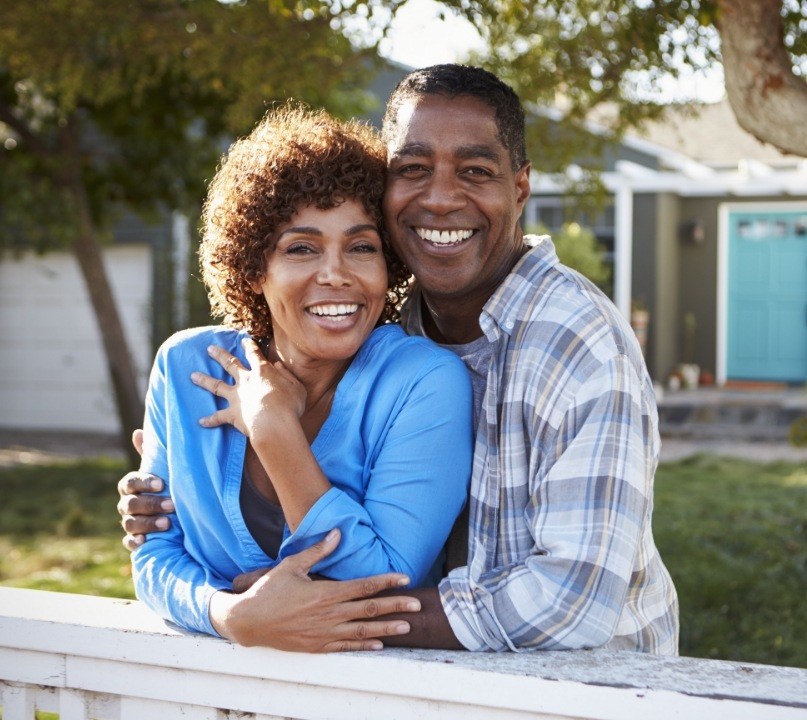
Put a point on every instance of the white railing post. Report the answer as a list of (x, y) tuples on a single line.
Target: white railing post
[(72, 705), (18, 702)]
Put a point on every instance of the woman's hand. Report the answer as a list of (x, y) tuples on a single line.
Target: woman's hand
[(285, 609), (263, 396)]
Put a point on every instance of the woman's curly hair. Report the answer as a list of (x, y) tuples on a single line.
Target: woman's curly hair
[(295, 157)]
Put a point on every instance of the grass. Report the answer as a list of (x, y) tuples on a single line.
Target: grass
[(59, 529), (732, 534), (734, 537)]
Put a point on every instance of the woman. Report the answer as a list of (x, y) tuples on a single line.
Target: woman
[(314, 410)]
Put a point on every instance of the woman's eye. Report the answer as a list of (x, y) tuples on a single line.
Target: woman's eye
[(365, 248), (298, 249)]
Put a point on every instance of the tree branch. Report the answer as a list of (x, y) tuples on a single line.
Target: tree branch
[(28, 137), (768, 99)]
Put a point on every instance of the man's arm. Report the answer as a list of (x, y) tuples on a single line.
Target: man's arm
[(428, 628)]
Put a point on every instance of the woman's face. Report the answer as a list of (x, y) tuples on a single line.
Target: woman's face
[(325, 282)]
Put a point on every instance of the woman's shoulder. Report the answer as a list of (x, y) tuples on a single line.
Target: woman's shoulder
[(197, 339), (393, 343), (395, 357)]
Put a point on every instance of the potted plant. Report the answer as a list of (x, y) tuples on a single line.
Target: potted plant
[(688, 371), (639, 320)]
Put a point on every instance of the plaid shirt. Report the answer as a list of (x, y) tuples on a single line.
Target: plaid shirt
[(560, 549)]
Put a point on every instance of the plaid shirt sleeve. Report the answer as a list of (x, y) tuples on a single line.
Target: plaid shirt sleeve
[(554, 571)]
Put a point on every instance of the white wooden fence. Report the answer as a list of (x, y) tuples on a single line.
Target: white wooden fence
[(88, 657)]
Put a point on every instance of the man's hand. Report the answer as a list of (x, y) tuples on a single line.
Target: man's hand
[(141, 513), (287, 610)]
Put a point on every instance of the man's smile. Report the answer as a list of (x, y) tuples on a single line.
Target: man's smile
[(444, 237)]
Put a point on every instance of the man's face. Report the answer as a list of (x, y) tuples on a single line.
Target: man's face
[(452, 200)]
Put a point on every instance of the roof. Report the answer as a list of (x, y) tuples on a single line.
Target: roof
[(710, 134)]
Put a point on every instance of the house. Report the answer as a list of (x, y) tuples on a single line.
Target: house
[(708, 229)]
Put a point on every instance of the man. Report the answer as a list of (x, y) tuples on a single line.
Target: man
[(560, 553)]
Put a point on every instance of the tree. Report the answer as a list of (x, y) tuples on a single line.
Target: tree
[(107, 106), (767, 94), (578, 56)]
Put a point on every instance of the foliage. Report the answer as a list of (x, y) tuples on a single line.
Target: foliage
[(152, 87), (578, 248), (592, 60), (731, 532), (111, 107)]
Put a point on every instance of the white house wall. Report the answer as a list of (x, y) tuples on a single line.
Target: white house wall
[(53, 373)]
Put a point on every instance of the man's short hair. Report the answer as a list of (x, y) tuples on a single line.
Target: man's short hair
[(454, 80)]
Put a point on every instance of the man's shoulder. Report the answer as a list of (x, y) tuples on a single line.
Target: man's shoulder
[(563, 318)]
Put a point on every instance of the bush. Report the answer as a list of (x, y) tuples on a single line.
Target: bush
[(577, 247)]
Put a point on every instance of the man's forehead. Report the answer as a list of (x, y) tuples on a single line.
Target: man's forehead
[(427, 123)]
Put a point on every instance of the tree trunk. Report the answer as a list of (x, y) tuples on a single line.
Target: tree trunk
[(768, 99), (88, 252)]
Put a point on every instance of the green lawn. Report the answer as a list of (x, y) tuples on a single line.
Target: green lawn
[(731, 532)]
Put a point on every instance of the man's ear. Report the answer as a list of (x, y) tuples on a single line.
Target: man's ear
[(522, 185)]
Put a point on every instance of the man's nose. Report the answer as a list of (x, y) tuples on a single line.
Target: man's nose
[(443, 193)]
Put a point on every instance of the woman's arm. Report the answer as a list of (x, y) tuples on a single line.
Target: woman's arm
[(419, 476)]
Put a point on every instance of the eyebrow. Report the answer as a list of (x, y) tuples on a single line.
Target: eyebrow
[(464, 152), (312, 230)]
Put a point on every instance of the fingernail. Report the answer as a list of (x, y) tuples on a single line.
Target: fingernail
[(139, 539), (195, 377), (403, 581), (401, 628), (162, 523), (331, 535), (155, 484), (413, 606), (376, 646), (167, 505)]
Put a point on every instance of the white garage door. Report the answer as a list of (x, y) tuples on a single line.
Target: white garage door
[(53, 374)]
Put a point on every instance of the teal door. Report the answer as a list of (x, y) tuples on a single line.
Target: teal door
[(767, 296)]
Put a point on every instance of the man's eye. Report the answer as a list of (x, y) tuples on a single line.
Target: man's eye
[(478, 172), (412, 170)]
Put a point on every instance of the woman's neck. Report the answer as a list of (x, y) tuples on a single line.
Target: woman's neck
[(319, 377)]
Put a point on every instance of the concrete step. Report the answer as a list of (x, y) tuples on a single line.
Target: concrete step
[(726, 414)]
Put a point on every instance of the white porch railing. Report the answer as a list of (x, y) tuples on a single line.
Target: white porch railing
[(88, 657)]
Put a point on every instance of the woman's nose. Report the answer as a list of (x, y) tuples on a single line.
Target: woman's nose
[(333, 270)]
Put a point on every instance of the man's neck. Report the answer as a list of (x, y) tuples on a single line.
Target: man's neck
[(455, 320), (451, 324)]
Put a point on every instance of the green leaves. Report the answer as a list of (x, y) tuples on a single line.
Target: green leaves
[(153, 88)]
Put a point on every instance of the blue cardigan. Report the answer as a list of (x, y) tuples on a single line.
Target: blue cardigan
[(396, 447)]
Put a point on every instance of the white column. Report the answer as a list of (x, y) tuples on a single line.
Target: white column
[(623, 247)]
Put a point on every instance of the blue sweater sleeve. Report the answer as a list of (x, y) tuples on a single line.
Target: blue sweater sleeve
[(417, 486), (166, 577)]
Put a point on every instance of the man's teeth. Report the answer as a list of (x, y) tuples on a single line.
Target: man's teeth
[(444, 237), (334, 311)]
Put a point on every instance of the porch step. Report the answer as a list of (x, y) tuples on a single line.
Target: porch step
[(720, 414)]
